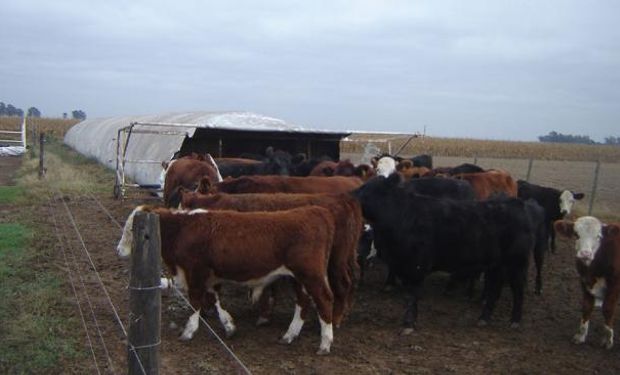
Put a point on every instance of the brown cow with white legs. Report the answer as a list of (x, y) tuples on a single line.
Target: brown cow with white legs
[(343, 268), (204, 248), (598, 265)]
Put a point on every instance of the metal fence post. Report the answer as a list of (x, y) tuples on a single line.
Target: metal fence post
[(475, 160), (145, 296), (529, 170), (41, 155), (594, 186)]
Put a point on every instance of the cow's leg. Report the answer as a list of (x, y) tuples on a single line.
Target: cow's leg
[(301, 314), (609, 309), (265, 305), (196, 295), (587, 305), (518, 280), (551, 231), (493, 283), (411, 311), (539, 258), (225, 318), (341, 284), (318, 288)]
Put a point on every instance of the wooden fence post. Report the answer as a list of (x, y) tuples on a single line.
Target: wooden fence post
[(529, 170), (41, 155), (475, 160), (145, 296), (594, 186)]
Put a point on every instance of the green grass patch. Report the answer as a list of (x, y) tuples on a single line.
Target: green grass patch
[(10, 194), (35, 333)]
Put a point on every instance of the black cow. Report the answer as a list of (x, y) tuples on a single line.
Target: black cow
[(423, 234), (441, 188), (557, 204), (274, 163), (437, 187)]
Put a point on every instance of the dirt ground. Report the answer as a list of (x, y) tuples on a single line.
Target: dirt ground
[(448, 340)]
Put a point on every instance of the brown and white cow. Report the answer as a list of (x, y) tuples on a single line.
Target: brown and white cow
[(598, 265), (490, 183), (343, 269), (187, 172), (203, 249)]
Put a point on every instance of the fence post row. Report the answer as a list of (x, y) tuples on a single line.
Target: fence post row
[(144, 336), (41, 155), (594, 186)]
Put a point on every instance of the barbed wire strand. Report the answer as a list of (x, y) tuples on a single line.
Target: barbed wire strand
[(230, 352), (62, 247), (92, 311), (116, 315)]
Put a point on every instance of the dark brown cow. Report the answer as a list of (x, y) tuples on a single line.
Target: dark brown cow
[(287, 184), (490, 183), (408, 170), (325, 168), (187, 172), (343, 168), (598, 265), (203, 249), (343, 268)]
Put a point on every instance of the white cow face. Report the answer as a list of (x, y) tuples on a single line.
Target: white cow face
[(567, 200), (386, 166), (588, 232)]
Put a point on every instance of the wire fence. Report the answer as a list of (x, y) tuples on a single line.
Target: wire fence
[(579, 176), (83, 274)]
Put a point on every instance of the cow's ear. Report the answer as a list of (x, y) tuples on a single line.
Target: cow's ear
[(164, 165), (204, 185), (394, 179), (564, 227), (610, 230), (373, 162), (578, 196)]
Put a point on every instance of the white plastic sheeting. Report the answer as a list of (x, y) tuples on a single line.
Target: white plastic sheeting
[(97, 137), (12, 150)]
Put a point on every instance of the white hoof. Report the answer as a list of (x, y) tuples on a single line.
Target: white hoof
[(579, 339), (406, 331), (262, 321)]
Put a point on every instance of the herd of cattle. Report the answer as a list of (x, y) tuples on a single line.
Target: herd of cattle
[(250, 222)]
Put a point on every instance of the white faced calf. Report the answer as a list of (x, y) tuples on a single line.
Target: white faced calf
[(598, 263)]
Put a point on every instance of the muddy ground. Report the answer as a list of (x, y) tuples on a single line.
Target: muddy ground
[(448, 340)]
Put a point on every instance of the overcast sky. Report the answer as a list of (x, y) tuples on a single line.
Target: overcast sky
[(477, 69)]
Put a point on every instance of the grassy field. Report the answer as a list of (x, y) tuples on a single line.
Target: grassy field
[(37, 334), (56, 127), (472, 148)]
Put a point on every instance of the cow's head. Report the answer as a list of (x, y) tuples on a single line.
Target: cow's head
[(567, 200), (587, 232), (385, 166)]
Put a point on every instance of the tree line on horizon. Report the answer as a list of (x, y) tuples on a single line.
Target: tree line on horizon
[(555, 137), (11, 111)]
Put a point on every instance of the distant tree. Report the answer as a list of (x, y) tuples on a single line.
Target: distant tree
[(11, 110), (33, 112), (556, 137), (64, 115), (611, 140), (78, 114)]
